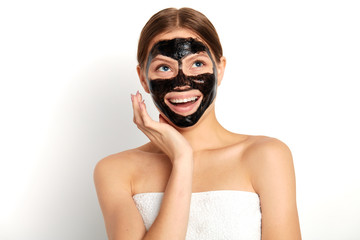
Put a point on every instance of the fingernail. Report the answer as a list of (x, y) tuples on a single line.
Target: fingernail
[(139, 95), (132, 97)]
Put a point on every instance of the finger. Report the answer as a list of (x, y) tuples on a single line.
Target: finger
[(147, 128), (138, 95), (141, 116), (148, 122), (136, 108)]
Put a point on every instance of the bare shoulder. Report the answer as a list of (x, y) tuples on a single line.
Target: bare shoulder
[(118, 168), (263, 148), (268, 157)]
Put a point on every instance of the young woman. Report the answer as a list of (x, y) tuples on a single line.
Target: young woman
[(194, 179)]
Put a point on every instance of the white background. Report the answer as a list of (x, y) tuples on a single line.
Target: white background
[(67, 69)]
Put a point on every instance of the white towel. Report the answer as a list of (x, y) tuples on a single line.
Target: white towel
[(214, 215)]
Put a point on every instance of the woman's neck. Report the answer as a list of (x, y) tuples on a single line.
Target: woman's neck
[(206, 134)]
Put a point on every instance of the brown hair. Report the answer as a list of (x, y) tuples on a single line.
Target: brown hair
[(171, 18)]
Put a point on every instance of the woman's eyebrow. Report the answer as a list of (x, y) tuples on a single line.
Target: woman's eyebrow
[(196, 55), (163, 58)]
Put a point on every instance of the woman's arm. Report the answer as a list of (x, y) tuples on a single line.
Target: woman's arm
[(112, 176), (113, 184), (172, 220), (273, 178)]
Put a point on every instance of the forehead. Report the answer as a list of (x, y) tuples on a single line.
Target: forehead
[(172, 34), (177, 48)]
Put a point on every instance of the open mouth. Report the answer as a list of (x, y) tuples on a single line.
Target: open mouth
[(184, 104)]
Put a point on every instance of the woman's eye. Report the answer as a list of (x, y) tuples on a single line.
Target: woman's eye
[(197, 64), (164, 68)]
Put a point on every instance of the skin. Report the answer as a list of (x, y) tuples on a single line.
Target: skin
[(204, 157)]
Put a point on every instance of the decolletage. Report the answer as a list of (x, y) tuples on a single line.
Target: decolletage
[(214, 215)]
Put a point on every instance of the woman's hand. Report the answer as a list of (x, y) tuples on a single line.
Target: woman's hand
[(161, 134)]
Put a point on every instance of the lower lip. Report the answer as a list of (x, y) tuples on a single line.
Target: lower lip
[(185, 108)]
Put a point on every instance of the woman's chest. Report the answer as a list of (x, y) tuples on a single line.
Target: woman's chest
[(213, 170)]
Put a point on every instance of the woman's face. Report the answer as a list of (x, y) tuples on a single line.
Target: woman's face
[(182, 76)]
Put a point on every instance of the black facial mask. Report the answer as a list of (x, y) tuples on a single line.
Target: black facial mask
[(206, 83)]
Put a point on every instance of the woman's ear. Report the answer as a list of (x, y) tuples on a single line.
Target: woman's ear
[(142, 78), (221, 69)]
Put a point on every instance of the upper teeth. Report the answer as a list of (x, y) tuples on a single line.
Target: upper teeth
[(183, 100)]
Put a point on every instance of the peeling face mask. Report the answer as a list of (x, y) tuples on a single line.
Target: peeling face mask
[(182, 79)]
